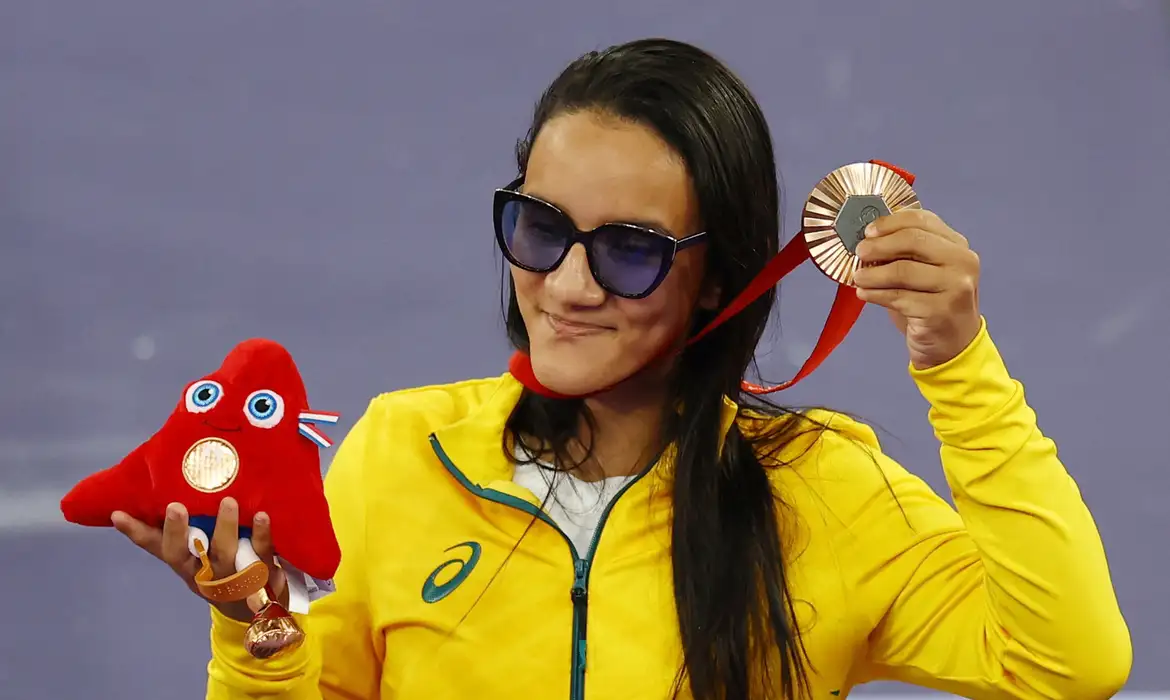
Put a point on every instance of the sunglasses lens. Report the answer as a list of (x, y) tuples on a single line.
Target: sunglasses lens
[(626, 260), (629, 260), (536, 236)]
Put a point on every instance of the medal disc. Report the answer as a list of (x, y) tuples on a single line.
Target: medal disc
[(842, 205), (211, 465), (273, 632)]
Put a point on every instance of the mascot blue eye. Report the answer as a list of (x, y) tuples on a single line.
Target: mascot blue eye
[(264, 408), (205, 395), (202, 396)]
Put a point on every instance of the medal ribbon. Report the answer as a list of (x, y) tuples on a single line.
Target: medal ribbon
[(843, 315)]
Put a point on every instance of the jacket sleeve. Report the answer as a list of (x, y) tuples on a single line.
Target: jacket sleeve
[(341, 657), (1010, 596)]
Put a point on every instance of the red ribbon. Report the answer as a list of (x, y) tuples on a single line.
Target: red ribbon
[(844, 313)]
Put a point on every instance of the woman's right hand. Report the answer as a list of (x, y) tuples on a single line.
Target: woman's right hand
[(169, 544)]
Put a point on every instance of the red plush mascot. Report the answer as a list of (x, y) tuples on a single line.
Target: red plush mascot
[(244, 431)]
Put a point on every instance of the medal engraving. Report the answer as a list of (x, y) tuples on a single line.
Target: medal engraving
[(859, 211), (211, 465), (273, 631), (842, 205)]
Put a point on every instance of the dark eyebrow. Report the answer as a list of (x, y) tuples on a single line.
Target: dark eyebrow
[(647, 223), (644, 223)]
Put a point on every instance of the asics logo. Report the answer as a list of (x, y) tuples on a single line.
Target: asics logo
[(452, 572)]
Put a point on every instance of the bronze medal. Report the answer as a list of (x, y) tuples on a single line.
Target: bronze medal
[(211, 465), (842, 205), (273, 632)]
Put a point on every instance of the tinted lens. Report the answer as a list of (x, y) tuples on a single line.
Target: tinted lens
[(629, 260), (535, 235)]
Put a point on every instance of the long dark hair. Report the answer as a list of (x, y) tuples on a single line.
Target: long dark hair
[(735, 612)]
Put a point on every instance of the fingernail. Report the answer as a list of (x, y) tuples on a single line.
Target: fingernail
[(261, 518), (116, 517), (173, 512), (229, 503), (870, 231)]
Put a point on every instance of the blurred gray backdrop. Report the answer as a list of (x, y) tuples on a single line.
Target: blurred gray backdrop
[(175, 177)]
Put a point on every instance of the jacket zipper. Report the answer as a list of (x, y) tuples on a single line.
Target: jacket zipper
[(579, 593)]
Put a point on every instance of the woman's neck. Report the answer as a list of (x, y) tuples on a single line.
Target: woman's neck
[(627, 424)]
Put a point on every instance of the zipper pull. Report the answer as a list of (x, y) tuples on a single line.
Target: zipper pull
[(579, 592)]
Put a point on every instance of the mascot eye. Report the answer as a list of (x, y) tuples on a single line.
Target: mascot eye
[(264, 408), (203, 395)]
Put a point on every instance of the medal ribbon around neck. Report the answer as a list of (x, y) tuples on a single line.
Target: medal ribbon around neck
[(833, 222)]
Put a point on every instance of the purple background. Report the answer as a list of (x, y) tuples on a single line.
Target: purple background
[(177, 177)]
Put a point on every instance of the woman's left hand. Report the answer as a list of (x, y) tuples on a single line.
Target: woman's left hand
[(926, 275)]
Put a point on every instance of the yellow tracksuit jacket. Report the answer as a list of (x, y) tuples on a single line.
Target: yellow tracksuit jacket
[(1009, 597)]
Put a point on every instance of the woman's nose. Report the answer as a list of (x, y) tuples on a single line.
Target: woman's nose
[(572, 283)]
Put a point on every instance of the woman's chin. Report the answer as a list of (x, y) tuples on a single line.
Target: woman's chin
[(574, 378)]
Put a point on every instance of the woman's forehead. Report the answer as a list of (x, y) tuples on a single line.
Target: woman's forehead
[(598, 170)]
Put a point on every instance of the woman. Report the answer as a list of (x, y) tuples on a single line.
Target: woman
[(665, 536)]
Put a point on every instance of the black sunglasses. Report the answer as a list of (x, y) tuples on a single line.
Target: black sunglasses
[(627, 260)]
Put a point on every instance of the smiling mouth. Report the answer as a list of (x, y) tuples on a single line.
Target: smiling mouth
[(565, 327), (213, 426)]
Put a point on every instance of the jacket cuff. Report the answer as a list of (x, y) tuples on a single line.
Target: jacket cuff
[(969, 390), (234, 666)]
